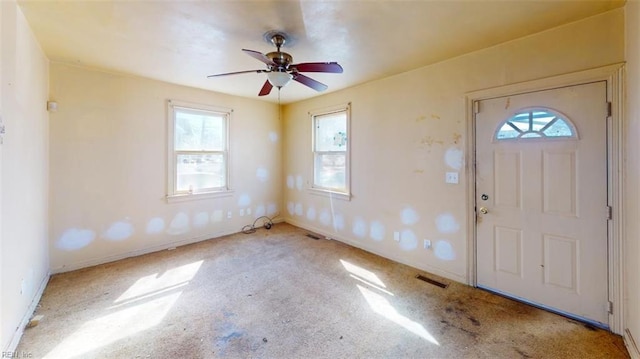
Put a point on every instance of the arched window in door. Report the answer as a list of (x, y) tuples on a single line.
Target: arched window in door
[(537, 122)]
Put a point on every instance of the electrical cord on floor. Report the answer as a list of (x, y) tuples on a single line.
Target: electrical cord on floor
[(251, 228)]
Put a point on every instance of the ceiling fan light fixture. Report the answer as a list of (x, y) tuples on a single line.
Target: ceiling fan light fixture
[(279, 79)]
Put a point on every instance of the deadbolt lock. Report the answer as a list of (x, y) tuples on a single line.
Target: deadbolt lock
[(484, 197)]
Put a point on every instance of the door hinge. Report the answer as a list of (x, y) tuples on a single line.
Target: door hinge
[(610, 307), (609, 212), (609, 109), (476, 106)]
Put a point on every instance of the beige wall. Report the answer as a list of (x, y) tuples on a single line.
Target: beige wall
[(108, 168), (632, 243), (408, 130), (24, 173)]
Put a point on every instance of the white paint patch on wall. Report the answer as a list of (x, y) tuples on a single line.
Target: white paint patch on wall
[(408, 240), (75, 238), (311, 214), (201, 219), (260, 211), (262, 174), (338, 222), (299, 182), (376, 231), (409, 216), (272, 209), (179, 224), (155, 225), (118, 231), (453, 158), (360, 227), (273, 136), (444, 250), (291, 208), (217, 216), (299, 209), (325, 217), (244, 200), (446, 223), (290, 182)]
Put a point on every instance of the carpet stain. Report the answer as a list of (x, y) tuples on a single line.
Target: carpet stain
[(475, 321), (522, 353)]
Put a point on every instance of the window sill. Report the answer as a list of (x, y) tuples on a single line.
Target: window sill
[(332, 194), (174, 198)]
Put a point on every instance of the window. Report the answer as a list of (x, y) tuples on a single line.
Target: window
[(331, 150), (198, 150), (536, 123)]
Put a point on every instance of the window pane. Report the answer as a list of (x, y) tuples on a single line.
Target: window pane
[(201, 171), (535, 124), (331, 132), (330, 171), (199, 130), (559, 129)]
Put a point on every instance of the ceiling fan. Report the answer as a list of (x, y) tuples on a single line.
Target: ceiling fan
[(281, 69)]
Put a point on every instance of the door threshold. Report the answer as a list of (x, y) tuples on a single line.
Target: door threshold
[(578, 318)]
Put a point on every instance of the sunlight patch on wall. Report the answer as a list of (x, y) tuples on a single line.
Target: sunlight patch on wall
[(409, 216), (201, 220), (179, 224), (408, 240), (453, 158), (376, 231), (118, 231), (75, 238), (446, 223), (262, 174), (444, 250), (359, 227), (155, 225)]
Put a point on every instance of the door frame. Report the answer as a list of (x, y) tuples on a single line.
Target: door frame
[(613, 75)]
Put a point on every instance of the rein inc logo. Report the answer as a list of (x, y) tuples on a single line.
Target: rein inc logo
[(17, 354)]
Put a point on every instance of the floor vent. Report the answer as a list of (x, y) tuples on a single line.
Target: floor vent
[(313, 236), (431, 281)]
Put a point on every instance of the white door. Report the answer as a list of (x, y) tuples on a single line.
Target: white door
[(541, 178)]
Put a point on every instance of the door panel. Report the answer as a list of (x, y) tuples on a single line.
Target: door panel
[(544, 236)]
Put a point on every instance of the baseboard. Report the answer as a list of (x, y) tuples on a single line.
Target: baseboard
[(421, 266), (17, 335), (632, 347), (138, 252)]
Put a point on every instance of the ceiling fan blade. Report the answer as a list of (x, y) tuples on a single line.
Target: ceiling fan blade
[(331, 67), (260, 57), (266, 88), (238, 72), (307, 81)]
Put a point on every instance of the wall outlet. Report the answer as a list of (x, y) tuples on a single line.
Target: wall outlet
[(396, 236), (451, 177), (229, 214), (427, 244), (241, 212), (249, 211)]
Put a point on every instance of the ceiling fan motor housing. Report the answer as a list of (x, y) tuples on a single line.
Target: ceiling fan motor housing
[(282, 59)]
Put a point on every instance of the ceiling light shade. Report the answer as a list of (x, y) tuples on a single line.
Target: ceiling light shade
[(279, 79)]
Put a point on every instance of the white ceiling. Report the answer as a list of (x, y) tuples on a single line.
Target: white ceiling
[(184, 41)]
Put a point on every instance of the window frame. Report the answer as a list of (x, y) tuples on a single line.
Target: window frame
[(174, 195), (328, 191)]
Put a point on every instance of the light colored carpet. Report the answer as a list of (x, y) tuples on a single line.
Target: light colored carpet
[(281, 294)]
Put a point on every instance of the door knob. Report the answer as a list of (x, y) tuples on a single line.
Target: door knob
[(484, 210)]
